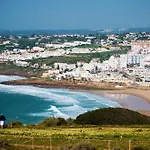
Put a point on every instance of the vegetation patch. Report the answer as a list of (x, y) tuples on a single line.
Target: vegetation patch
[(112, 116)]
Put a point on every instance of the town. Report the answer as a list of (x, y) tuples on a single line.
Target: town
[(113, 58)]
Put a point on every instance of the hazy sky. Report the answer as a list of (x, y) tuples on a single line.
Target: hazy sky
[(74, 14)]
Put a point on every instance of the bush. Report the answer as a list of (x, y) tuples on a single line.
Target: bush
[(81, 146), (31, 126), (116, 148), (139, 148), (61, 121), (66, 148), (4, 145), (112, 116), (16, 124), (52, 122), (70, 121), (48, 122), (84, 146)]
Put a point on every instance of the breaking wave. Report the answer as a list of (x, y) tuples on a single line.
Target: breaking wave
[(8, 78), (53, 111), (43, 93), (58, 102)]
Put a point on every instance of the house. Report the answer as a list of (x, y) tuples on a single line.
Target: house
[(21, 63), (2, 119)]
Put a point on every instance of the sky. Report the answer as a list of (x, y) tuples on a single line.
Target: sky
[(73, 14)]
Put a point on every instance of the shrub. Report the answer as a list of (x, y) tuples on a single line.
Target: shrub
[(4, 145), (48, 122), (70, 121), (81, 146), (31, 126), (52, 122), (84, 146), (112, 116), (139, 148), (116, 148), (61, 121), (66, 148), (17, 124)]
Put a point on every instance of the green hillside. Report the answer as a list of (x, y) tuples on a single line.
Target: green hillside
[(112, 116)]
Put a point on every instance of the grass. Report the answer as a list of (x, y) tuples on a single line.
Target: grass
[(103, 133), (97, 136), (77, 57), (88, 46), (11, 68)]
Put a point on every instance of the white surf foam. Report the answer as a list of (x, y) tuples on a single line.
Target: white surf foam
[(100, 99), (73, 108), (9, 78), (67, 103), (43, 93), (57, 112), (73, 111), (53, 111)]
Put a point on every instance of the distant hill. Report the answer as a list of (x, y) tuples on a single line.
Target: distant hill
[(112, 116)]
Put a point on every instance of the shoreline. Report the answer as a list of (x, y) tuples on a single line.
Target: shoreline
[(45, 83), (145, 95), (98, 89), (14, 73)]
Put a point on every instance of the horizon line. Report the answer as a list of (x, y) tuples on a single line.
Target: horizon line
[(76, 29)]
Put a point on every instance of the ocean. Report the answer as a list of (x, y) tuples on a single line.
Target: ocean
[(29, 104)]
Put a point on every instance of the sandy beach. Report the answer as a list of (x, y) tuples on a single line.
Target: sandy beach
[(138, 93), (145, 94)]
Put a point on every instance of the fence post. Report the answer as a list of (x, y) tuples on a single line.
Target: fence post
[(50, 143), (129, 144), (108, 144), (32, 142), (69, 142), (11, 123)]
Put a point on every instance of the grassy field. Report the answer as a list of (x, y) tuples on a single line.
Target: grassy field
[(9, 68), (78, 57), (101, 132), (101, 137)]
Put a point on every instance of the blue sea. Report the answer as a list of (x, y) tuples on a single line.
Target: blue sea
[(30, 104)]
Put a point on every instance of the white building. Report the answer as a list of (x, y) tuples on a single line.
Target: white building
[(116, 62), (77, 74), (146, 61), (140, 47), (135, 59), (123, 61), (64, 66), (21, 63)]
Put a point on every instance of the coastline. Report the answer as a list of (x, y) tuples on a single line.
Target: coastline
[(45, 83), (144, 94), (12, 72), (95, 88)]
